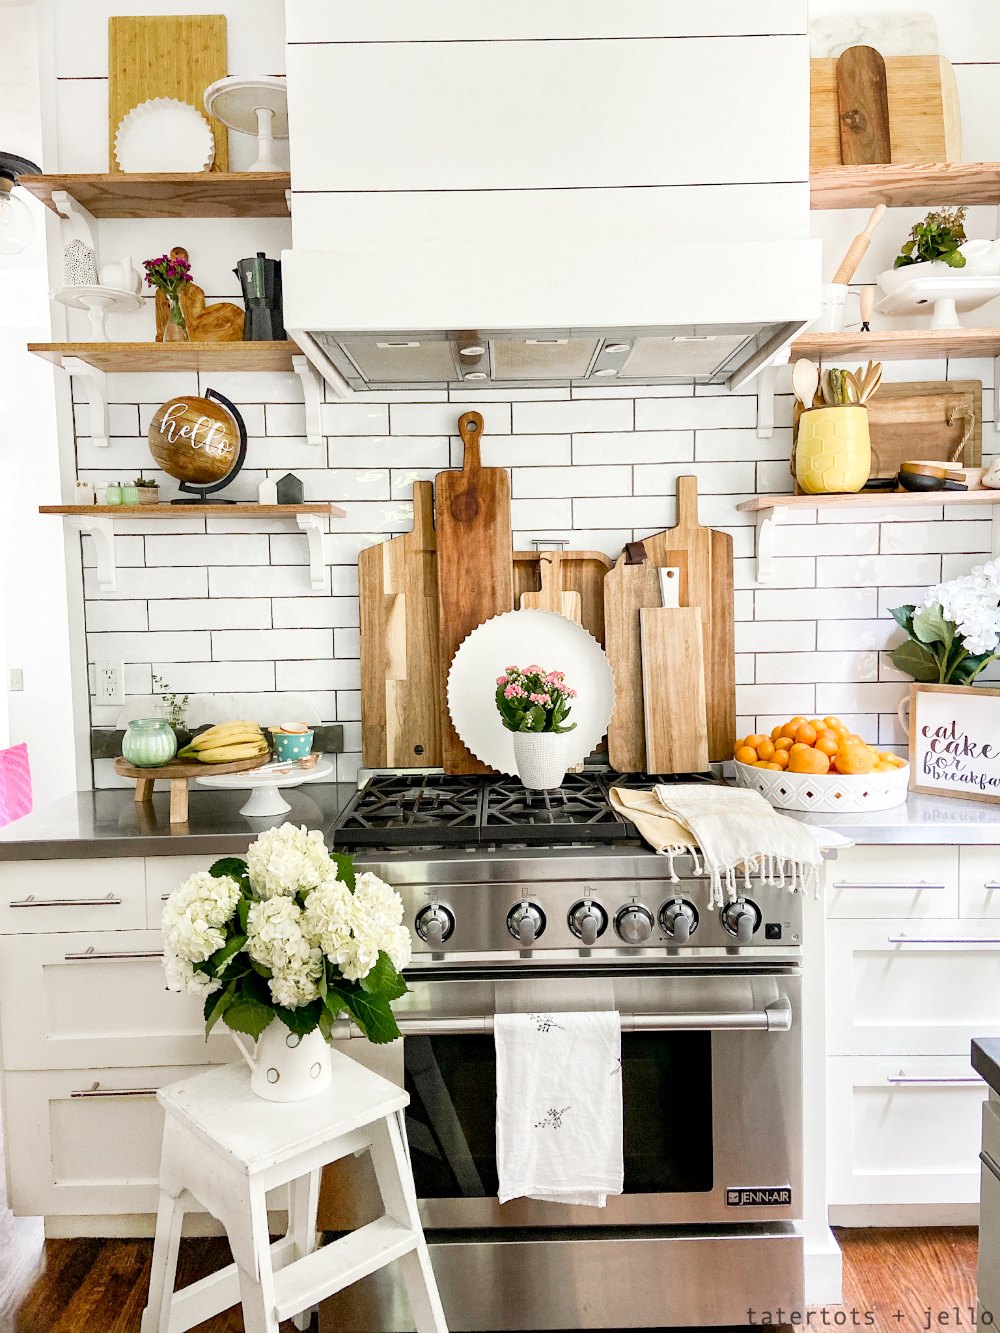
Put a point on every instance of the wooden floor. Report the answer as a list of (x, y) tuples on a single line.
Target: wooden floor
[(891, 1279)]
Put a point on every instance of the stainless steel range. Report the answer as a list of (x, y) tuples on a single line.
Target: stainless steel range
[(581, 916)]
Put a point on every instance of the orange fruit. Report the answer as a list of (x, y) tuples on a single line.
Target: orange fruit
[(828, 743), (746, 754), (756, 740), (780, 759), (796, 721), (883, 767), (764, 764), (808, 760), (853, 758), (806, 734), (817, 724), (775, 732), (783, 743), (799, 745), (789, 729), (765, 749), (898, 761), (834, 724)]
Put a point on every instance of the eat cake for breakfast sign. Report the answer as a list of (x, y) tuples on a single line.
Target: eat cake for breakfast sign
[(955, 741)]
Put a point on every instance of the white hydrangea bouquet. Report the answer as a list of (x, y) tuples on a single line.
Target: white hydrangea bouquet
[(955, 632), (290, 933)]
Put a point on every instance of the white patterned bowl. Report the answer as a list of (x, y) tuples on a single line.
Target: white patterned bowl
[(828, 793)]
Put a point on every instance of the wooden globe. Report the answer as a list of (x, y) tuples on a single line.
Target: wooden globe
[(194, 440)]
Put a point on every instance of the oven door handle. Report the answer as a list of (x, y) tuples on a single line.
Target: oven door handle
[(776, 1017)]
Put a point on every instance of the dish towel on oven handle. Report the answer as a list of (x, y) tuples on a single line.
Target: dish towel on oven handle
[(559, 1107)]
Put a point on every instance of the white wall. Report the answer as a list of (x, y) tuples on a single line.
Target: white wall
[(230, 608)]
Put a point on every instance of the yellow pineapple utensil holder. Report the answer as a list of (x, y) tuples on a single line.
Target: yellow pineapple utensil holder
[(833, 452)]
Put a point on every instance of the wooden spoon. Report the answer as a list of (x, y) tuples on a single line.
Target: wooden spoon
[(805, 377)]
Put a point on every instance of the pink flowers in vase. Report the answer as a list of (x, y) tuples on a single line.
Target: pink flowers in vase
[(531, 699)]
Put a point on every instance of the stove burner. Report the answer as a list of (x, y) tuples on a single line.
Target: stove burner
[(412, 810), (578, 811)]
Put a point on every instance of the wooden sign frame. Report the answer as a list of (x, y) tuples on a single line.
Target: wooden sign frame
[(946, 757)]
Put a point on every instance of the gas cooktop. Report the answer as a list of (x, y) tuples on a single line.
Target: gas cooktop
[(438, 810)]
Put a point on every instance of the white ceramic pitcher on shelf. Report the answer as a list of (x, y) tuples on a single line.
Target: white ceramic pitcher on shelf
[(286, 1067)]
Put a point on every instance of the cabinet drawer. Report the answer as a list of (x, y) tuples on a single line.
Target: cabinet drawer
[(97, 1001), (46, 896), (74, 1148), (904, 1131), (919, 882), (979, 882), (911, 988), (163, 875)]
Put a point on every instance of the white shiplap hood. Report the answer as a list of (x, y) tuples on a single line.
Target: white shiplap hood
[(548, 193)]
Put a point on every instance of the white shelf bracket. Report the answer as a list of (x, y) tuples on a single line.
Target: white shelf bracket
[(996, 393), (767, 521), (996, 532), (96, 385), (767, 379), (312, 392), (84, 224), (314, 526), (102, 530)]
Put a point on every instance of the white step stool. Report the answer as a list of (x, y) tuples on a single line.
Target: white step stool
[(224, 1148)]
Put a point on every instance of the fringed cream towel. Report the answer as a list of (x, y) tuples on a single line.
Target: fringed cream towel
[(731, 833)]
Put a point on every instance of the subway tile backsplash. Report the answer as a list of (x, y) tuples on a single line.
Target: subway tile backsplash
[(228, 606)]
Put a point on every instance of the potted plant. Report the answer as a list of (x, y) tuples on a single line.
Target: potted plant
[(149, 490), (279, 946), (174, 708), (936, 240), (534, 705), (169, 275), (953, 636)]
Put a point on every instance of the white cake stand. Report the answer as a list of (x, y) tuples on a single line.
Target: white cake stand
[(264, 784), (99, 302), (252, 105), (948, 294)]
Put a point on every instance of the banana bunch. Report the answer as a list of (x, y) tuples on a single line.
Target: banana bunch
[(226, 743)]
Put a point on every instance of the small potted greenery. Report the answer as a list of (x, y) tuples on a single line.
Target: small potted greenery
[(534, 705), (149, 490), (936, 240), (174, 708)]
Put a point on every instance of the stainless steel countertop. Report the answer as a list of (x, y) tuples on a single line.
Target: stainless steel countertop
[(109, 823)]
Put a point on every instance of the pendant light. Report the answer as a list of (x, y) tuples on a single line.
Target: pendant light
[(17, 226)]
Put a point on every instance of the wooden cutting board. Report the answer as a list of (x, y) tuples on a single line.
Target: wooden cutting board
[(400, 681), (581, 571), (863, 106), (926, 420), (673, 689), (628, 588), (925, 119), (176, 56), (475, 566), (710, 588), (552, 596)]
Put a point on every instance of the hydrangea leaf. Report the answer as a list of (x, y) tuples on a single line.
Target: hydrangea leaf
[(384, 980), (248, 1015), (930, 626), (216, 1005), (373, 1016), (233, 866), (303, 1020), (222, 956), (345, 868), (903, 616), (917, 661)]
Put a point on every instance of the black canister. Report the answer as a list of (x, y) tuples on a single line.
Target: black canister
[(260, 279)]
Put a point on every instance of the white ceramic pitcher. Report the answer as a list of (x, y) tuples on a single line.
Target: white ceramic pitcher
[(285, 1067)]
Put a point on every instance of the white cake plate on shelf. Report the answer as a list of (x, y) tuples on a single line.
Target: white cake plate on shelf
[(99, 302), (256, 106), (948, 294), (264, 783)]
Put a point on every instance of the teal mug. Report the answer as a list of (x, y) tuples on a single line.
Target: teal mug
[(291, 744)]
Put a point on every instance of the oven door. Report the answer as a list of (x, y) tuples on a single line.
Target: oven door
[(711, 1082)]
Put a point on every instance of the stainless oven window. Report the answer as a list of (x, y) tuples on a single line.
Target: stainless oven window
[(667, 1092)]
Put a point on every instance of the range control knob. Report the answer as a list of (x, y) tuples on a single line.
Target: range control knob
[(679, 920), (634, 923), (741, 918), (588, 920), (435, 924), (526, 922)]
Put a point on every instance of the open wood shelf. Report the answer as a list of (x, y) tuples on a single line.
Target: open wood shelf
[(903, 186), (123, 357), (899, 344), (238, 510), (211, 194), (871, 499)]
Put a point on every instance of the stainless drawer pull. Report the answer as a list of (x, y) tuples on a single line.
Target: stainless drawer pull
[(990, 1165), (902, 1078), (91, 956), (991, 886), (95, 1090), (32, 901), (919, 887), (913, 939)]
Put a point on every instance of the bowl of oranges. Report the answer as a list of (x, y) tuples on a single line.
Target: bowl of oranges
[(820, 764)]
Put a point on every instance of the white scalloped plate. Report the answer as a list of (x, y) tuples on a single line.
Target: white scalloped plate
[(527, 637), (164, 134)]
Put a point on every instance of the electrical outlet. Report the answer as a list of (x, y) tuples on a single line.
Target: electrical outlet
[(15, 680), (110, 683)]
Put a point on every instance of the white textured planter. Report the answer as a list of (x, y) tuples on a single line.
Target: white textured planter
[(285, 1067), (541, 758)]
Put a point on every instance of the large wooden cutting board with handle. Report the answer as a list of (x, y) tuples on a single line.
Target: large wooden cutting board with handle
[(673, 689), (710, 588), (400, 681), (475, 568), (579, 571), (166, 56)]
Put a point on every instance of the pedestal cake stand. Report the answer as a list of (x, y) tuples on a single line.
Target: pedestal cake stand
[(264, 785)]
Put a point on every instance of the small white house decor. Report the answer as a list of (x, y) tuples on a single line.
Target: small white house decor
[(955, 741), (281, 944)]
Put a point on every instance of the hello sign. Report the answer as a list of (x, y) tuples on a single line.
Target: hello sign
[(195, 439), (955, 741)]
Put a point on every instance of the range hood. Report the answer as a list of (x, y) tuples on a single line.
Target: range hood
[(632, 209)]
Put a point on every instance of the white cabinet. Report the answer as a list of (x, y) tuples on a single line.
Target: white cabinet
[(904, 1131), (49, 896), (979, 883), (890, 882)]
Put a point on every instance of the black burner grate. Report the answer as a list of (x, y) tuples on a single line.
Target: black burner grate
[(412, 810), (578, 811)]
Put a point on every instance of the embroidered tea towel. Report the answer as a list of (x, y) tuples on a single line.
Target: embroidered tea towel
[(559, 1107), (15, 784)]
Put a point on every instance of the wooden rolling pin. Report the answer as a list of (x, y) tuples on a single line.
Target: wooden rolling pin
[(850, 262)]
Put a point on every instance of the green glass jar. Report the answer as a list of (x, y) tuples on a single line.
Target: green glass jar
[(149, 742)]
